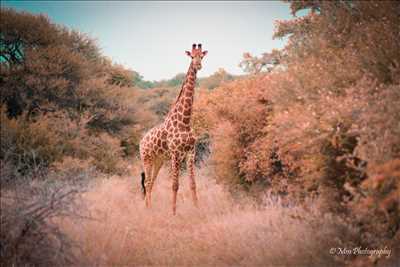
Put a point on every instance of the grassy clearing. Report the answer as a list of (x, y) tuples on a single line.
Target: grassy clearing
[(222, 232)]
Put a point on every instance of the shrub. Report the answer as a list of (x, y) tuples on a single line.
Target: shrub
[(29, 145), (29, 234), (107, 153)]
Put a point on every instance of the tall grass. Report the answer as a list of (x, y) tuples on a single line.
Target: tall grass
[(221, 232)]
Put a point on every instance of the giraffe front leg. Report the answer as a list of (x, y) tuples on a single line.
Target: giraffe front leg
[(191, 161), (175, 181)]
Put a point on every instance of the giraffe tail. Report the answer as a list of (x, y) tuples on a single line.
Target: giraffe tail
[(143, 186)]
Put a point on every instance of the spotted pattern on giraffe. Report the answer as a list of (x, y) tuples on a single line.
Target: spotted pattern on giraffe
[(173, 139)]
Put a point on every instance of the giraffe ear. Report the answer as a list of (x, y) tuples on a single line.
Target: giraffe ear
[(205, 53), (188, 53)]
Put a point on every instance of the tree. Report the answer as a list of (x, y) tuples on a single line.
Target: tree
[(42, 64), (361, 34), (139, 82), (56, 78)]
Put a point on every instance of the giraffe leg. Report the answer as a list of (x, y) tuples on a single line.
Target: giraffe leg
[(156, 169), (191, 158), (175, 181), (147, 165)]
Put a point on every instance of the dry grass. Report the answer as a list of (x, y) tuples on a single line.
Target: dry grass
[(222, 232)]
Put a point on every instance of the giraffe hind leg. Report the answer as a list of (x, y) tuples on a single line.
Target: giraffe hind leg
[(147, 164), (155, 170)]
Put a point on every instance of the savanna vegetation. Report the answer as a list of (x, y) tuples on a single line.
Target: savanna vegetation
[(299, 156)]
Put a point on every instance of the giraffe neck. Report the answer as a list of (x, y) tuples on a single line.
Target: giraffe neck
[(182, 110)]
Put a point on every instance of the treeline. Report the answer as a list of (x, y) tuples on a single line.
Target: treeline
[(210, 82), (320, 118)]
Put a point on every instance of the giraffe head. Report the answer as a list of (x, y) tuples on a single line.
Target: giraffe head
[(197, 55)]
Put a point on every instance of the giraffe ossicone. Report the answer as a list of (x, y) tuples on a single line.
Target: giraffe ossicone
[(173, 140)]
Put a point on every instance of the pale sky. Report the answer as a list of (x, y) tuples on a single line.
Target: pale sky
[(151, 37)]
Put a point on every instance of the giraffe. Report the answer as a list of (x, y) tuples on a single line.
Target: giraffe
[(173, 139)]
